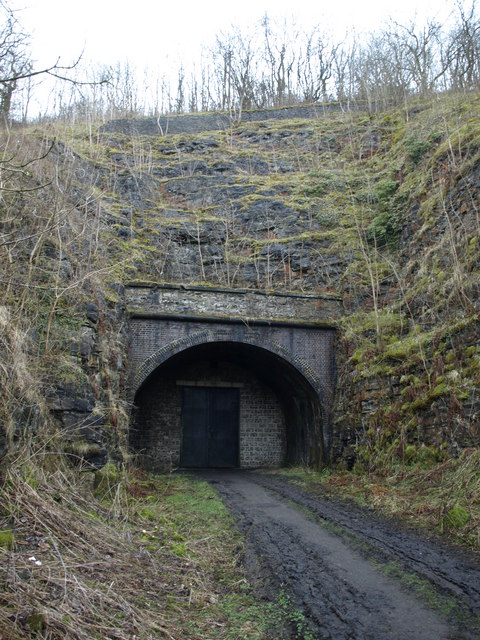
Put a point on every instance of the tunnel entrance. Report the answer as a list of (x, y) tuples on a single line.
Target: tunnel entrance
[(210, 434), (277, 349), (226, 404)]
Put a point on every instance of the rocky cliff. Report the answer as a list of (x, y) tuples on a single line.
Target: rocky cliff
[(380, 210)]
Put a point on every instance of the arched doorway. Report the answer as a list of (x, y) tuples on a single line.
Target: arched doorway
[(226, 404)]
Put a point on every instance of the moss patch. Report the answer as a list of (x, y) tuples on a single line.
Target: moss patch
[(456, 518), (7, 539), (105, 480)]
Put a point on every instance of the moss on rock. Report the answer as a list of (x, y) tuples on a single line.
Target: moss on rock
[(105, 480)]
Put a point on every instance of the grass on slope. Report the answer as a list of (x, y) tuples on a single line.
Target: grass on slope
[(152, 557), (441, 497)]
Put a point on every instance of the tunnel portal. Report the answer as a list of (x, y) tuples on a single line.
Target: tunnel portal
[(222, 392)]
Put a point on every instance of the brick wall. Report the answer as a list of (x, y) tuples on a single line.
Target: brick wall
[(156, 434), (309, 350), (153, 341), (262, 427)]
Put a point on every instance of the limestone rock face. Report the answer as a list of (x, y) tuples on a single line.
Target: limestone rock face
[(321, 202), (337, 204)]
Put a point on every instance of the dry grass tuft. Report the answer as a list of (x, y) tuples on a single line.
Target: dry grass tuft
[(75, 570), (19, 387), (157, 557)]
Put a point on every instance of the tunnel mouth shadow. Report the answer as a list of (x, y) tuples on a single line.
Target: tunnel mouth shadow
[(273, 412)]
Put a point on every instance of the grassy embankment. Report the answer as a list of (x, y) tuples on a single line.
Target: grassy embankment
[(135, 556), (438, 498)]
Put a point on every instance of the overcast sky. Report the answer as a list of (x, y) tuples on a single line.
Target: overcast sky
[(146, 31)]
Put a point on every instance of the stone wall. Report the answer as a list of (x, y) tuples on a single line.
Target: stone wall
[(197, 123), (373, 407)]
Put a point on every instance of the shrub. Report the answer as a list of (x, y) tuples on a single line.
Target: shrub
[(416, 147), (383, 230)]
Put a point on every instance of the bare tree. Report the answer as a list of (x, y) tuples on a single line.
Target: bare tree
[(315, 67), (463, 51), (342, 70), (15, 60), (17, 67), (279, 55), (379, 72), (236, 72), (423, 59)]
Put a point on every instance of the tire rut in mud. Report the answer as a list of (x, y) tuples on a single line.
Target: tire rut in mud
[(450, 571), (328, 566)]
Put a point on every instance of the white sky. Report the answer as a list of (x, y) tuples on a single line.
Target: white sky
[(157, 36), (146, 31)]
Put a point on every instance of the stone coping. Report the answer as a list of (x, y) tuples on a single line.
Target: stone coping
[(138, 284)]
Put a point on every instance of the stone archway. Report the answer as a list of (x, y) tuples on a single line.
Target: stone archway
[(279, 406)]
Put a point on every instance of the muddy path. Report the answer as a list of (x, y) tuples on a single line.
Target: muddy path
[(354, 576)]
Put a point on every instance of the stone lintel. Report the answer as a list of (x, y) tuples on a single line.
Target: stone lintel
[(221, 304)]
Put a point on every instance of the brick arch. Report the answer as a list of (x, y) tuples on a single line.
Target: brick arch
[(210, 336)]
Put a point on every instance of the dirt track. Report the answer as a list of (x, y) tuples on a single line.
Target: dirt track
[(335, 562)]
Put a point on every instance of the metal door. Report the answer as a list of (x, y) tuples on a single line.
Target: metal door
[(210, 427)]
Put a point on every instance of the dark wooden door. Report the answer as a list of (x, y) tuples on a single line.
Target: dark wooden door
[(210, 427), (195, 427)]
